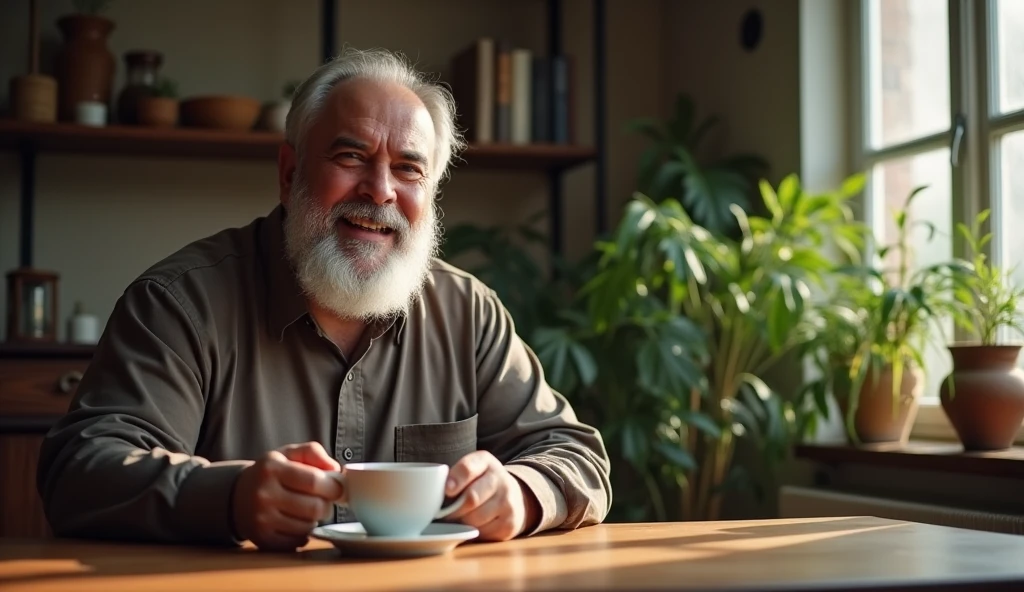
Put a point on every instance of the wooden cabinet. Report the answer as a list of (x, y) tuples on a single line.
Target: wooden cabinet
[(36, 386)]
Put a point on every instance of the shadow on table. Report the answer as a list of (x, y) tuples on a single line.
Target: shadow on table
[(68, 559)]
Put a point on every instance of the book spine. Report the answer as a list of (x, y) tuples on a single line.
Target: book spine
[(522, 61), (541, 99), (503, 93), (484, 91), (560, 125)]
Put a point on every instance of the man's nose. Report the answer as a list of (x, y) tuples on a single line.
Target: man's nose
[(377, 183)]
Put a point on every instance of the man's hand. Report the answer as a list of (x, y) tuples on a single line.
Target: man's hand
[(496, 503), (278, 500)]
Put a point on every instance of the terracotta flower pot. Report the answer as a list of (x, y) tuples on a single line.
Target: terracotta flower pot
[(157, 111), (877, 420), (84, 64), (983, 396)]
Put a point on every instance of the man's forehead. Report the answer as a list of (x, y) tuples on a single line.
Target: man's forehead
[(383, 102)]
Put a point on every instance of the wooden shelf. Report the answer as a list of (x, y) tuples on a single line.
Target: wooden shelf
[(253, 145), (139, 141), (947, 457), (46, 350)]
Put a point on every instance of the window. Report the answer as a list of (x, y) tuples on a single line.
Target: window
[(942, 104)]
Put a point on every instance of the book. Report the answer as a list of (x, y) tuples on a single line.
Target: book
[(503, 92), (522, 79), (473, 88), (540, 91)]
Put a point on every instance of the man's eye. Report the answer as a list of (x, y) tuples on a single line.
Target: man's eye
[(410, 168), (348, 156)]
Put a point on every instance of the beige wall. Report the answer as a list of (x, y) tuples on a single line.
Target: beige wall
[(757, 94), (100, 220)]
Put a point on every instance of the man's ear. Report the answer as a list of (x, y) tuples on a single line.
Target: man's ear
[(286, 163)]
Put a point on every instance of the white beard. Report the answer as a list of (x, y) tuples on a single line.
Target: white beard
[(357, 279)]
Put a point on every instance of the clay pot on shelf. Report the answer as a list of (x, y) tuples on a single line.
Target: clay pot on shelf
[(877, 420), (983, 396), (84, 65), (221, 112), (157, 111)]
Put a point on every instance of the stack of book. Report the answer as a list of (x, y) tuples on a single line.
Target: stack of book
[(509, 95)]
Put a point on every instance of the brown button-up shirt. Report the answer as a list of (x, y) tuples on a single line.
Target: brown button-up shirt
[(211, 359)]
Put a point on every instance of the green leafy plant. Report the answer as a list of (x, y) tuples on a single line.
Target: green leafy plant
[(880, 318), (289, 88), (91, 7), (673, 167), (165, 88), (986, 298)]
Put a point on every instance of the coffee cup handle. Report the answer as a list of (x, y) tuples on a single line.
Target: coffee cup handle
[(445, 511)]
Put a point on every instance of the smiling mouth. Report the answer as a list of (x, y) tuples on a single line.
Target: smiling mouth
[(368, 225)]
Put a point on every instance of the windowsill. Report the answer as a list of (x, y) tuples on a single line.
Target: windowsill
[(947, 457)]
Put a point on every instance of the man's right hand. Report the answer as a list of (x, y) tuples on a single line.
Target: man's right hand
[(280, 498)]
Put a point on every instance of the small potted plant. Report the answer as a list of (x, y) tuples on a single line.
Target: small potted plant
[(160, 107), (891, 310), (983, 396), (275, 114)]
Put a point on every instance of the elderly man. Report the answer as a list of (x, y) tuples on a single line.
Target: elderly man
[(236, 374)]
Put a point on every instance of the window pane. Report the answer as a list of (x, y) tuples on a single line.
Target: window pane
[(891, 183), (908, 70), (1010, 35), (1010, 212)]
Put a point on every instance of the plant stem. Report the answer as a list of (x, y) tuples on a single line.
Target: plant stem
[(656, 500)]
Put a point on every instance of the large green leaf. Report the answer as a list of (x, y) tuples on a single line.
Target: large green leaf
[(677, 455), (635, 443), (701, 421)]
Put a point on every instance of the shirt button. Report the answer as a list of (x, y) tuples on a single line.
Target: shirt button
[(347, 454), (351, 376)]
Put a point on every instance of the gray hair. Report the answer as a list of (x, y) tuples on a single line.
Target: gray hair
[(382, 66)]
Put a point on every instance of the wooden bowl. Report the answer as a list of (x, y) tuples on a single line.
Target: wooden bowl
[(158, 111), (222, 112)]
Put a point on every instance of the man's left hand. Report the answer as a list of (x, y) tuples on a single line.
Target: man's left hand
[(496, 503)]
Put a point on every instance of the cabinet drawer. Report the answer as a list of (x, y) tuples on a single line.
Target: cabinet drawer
[(38, 387)]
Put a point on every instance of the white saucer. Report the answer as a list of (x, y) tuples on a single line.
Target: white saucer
[(438, 538)]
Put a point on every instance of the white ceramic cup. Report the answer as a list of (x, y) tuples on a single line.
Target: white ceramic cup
[(396, 499), (91, 113)]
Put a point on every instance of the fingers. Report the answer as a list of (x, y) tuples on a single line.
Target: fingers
[(312, 454), (478, 493), (469, 469), (309, 480)]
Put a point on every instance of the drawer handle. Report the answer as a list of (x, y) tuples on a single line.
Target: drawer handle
[(69, 381)]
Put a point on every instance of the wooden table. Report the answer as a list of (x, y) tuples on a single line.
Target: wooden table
[(846, 553)]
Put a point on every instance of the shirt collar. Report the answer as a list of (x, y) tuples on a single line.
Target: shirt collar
[(285, 301)]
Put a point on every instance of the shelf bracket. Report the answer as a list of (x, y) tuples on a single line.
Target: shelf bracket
[(28, 197)]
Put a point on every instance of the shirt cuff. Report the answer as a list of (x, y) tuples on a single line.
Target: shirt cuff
[(553, 511), (204, 502)]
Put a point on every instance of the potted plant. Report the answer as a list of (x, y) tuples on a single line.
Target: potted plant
[(275, 114), (983, 396), (159, 108), (888, 311)]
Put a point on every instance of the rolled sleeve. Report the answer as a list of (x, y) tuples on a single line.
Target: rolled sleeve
[(534, 431)]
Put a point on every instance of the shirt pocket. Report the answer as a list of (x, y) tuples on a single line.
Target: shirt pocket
[(443, 443)]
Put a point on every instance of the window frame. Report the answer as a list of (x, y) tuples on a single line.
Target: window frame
[(976, 178)]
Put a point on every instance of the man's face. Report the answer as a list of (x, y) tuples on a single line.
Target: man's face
[(361, 225)]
